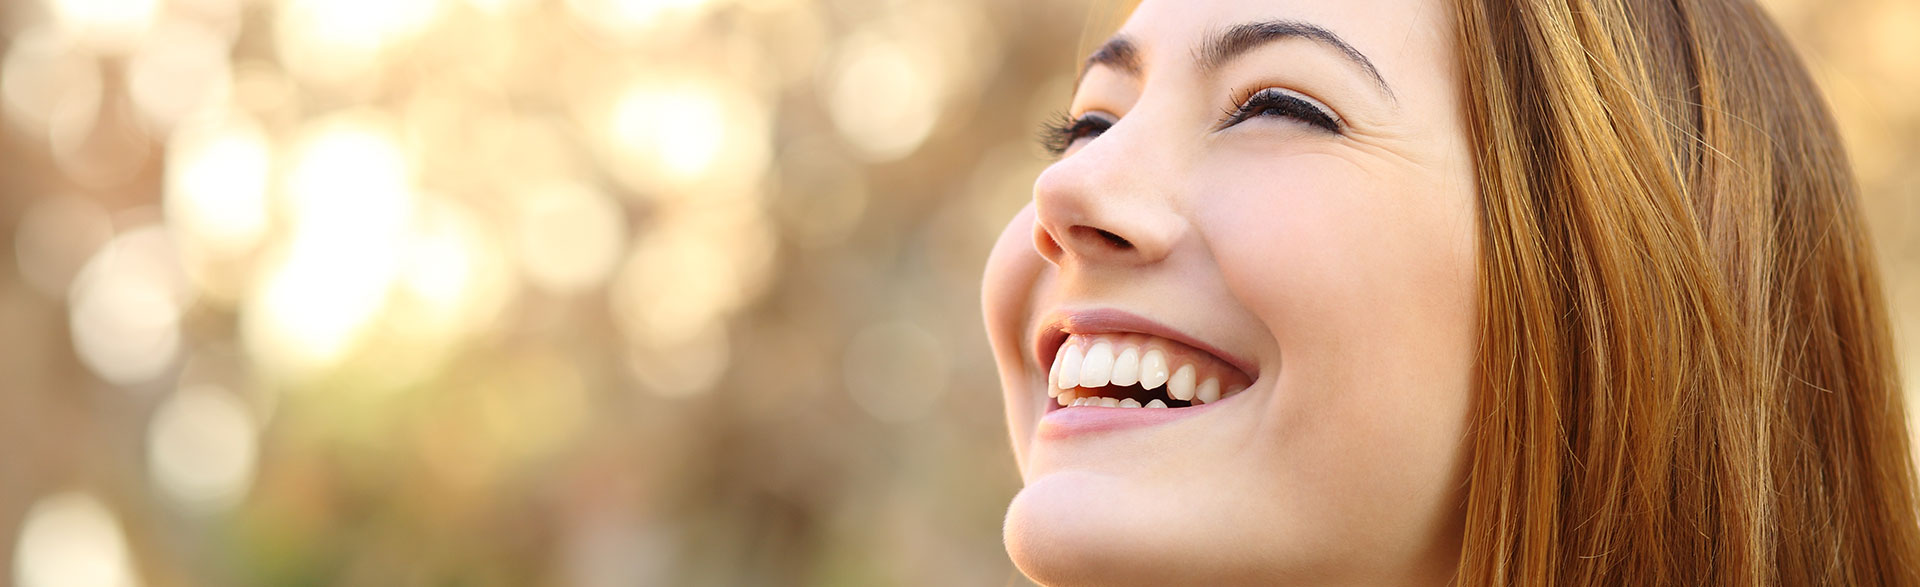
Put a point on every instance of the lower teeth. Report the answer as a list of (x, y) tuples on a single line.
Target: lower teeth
[(1122, 399)]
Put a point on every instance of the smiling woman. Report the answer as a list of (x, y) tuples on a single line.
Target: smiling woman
[(1417, 292)]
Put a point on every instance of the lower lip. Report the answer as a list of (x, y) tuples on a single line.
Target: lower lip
[(1071, 421)]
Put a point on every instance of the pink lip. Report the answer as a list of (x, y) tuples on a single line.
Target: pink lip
[(1053, 332), (1083, 420), (1063, 422)]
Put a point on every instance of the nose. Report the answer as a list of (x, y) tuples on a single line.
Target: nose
[(1103, 206)]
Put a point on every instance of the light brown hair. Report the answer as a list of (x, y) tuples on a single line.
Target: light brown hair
[(1686, 374)]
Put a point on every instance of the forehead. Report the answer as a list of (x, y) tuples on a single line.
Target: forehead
[(1397, 35)]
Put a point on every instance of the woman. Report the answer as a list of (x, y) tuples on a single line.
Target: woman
[(1519, 292)]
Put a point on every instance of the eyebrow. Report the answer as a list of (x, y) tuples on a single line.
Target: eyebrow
[(1119, 52)]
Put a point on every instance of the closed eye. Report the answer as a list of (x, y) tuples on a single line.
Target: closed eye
[(1063, 131), (1284, 104)]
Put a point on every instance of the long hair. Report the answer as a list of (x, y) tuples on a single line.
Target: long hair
[(1686, 375)]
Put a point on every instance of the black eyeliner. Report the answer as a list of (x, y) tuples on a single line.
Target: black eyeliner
[(1271, 100)]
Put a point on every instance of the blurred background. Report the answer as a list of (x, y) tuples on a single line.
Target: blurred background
[(564, 292)]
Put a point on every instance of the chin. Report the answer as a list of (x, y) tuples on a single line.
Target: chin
[(1078, 528), (1059, 533)]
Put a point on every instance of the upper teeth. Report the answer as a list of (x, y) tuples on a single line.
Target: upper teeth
[(1094, 361)]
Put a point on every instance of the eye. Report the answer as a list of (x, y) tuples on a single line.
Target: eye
[(1064, 131), (1284, 104)]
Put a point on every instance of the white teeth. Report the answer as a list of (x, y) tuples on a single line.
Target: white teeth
[(1208, 392), (1181, 385), (1091, 362), (1053, 375), (1070, 367), (1098, 366), (1126, 368), (1153, 369)]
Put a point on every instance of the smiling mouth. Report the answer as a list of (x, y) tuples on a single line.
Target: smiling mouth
[(1132, 370)]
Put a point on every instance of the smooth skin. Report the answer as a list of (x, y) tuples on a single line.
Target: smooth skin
[(1342, 263)]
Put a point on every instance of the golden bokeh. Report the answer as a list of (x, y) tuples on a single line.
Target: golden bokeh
[(565, 292)]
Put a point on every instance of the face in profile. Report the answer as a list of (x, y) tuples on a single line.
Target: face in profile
[(1236, 327)]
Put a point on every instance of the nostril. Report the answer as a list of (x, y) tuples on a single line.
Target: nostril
[(1044, 242), (1114, 238), (1110, 238)]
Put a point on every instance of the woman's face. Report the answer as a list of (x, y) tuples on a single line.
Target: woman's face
[(1264, 211)]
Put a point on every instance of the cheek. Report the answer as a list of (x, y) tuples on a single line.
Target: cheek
[(1012, 270), (1013, 273), (1317, 242), (1367, 281)]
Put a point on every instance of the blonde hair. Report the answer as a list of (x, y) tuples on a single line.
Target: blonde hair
[(1686, 376)]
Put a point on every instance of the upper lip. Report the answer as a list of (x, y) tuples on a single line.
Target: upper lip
[(1056, 327)]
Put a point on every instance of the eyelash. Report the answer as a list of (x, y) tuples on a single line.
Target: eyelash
[(1062, 131), (1265, 101)]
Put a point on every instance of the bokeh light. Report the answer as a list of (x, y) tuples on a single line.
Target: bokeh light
[(126, 306), (622, 20), (692, 363), (218, 171), (106, 23), (309, 309), (675, 137), (337, 42), (351, 196), (690, 271), (496, 7), (569, 236), (201, 447), (72, 540), (45, 71), (683, 129), (890, 84), (179, 69), (452, 276), (883, 100)]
